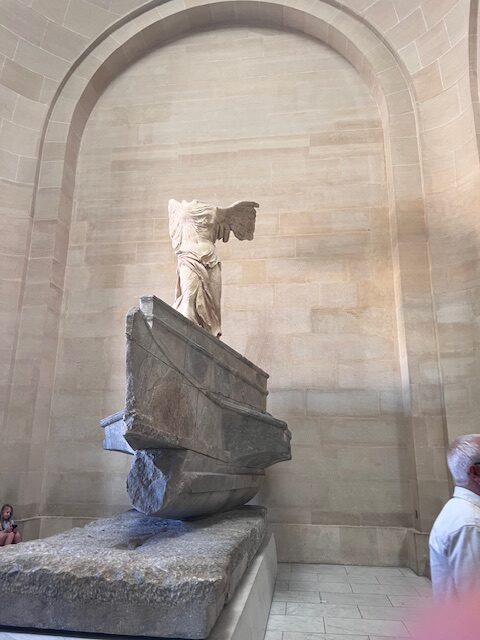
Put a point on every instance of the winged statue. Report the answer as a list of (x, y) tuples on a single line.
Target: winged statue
[(194, 228)]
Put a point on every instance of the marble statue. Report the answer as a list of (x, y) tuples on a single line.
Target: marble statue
[(194, 228)]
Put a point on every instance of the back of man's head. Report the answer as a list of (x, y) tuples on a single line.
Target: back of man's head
[(462, 454)]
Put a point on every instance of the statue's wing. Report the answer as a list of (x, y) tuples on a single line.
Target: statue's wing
[(239, 218)]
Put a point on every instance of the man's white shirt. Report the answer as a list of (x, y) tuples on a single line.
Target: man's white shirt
[(455, 546)]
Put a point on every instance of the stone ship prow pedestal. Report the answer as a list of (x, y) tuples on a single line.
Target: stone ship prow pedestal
[(194, 419)]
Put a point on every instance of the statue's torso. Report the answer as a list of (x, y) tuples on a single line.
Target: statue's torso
[(193, 230)]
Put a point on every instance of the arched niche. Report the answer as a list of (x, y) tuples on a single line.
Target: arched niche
[(381, 69)]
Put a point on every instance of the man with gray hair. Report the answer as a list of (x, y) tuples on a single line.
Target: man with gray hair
[(455, 536)]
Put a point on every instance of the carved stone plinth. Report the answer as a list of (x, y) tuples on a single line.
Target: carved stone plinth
[(195, 416)]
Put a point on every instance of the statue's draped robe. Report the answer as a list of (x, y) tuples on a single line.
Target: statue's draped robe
[(193, 229)]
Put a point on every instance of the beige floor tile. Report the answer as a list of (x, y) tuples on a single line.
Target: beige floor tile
[(412, 581), (304, 585), (319, 610), (424, 590), (320, 585), (283, 570), (387, 628), (368, 578), (366, 599), (406, 601), (348, 579), (385, 589), (375, 571), (282, 585), (280, 608), (335, 587), (296, 623), (388, 613), (302, 576), (296, 596), (320, 568)]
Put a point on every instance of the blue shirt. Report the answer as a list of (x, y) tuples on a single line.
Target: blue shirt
[(455, 546)]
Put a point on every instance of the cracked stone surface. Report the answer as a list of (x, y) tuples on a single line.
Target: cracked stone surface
[(131, 574)]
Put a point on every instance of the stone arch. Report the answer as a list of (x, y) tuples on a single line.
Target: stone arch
[(359, 43), (474, 63), (383, 72)]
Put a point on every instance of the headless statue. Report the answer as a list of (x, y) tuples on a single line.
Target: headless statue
[(194, 228)]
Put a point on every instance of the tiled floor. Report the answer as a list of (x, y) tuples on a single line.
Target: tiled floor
[(335, 602)]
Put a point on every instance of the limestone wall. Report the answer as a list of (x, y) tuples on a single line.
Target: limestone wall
[(39, 43), (281, 119), (420, 61)]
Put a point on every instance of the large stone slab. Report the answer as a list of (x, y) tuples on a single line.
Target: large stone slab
[(246, 616), (131, 574)]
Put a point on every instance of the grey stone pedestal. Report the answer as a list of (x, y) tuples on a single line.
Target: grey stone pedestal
[(131, 575)]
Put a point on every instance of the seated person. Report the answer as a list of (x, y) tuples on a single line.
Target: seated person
[(8, 527)]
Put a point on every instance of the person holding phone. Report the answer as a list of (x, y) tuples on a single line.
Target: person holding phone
[(8, 527)]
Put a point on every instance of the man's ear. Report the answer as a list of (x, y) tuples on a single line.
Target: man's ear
[(474, 473)]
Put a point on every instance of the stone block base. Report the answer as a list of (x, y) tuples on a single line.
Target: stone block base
[(131, 575), (245, 617)]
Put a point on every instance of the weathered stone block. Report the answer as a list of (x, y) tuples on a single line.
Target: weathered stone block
[(176, 483), (131, 574)]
